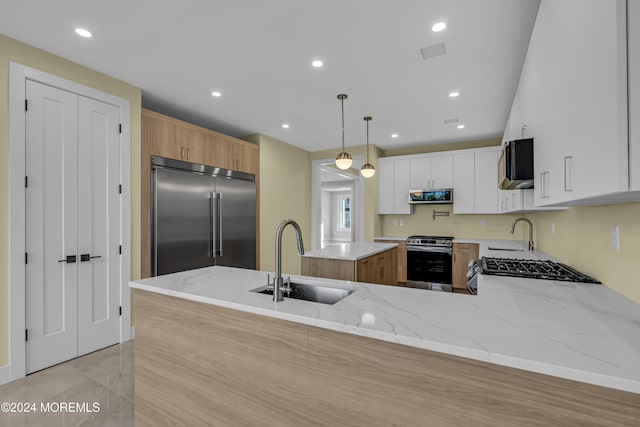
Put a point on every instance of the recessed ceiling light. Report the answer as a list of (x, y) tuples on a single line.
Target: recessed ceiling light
[(285, 126), (394, 135), (83, 33), (460, 126), (317, 63), (439, 26), (454, 94), (216, 94)]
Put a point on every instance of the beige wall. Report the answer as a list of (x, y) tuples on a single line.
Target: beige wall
[(583, 240), (372, 224), (12, 50), (285, 193), (463, 145), (469, 226)]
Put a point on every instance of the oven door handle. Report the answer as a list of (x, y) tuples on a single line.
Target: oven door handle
[(434, 249)]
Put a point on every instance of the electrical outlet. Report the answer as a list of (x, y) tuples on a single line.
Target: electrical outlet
[(615, 238), (402, 223), (395, 222), (483, 223), (553, 228)]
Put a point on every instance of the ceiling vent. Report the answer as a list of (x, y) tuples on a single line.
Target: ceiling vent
[(451, 121), (433, 51)]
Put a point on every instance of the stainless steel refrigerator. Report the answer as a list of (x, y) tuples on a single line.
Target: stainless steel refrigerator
[(201, 216)]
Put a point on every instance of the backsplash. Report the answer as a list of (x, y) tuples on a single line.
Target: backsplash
[(468, 226)]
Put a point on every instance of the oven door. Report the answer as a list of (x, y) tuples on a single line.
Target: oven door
[(431, 264)]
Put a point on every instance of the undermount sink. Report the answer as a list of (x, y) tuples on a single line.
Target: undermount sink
[(506, 249), (314, 293)]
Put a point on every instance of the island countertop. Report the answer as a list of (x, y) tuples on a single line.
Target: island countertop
[(583, 332), (353, 251)]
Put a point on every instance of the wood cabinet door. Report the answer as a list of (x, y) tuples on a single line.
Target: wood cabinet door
[(161, 135), (462, 254), (364, 267)]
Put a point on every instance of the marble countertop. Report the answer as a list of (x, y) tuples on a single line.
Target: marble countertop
[(391, 238), (350, 251), (583, 332)]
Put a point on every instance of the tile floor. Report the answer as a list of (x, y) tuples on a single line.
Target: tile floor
[(104, 377)]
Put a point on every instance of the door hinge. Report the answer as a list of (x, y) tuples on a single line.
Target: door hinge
[(26, 105), (120, 128), (26, 258), (26, 335), (120, 310), (120, 189), (120, 249), (26, 181)]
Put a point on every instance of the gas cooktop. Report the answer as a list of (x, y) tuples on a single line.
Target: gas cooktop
[(533, 269)]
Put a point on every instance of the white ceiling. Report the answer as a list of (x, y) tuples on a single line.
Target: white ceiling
[(258, 54)]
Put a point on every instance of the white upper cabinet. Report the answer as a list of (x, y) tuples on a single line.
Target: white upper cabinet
[(475, 181), (393, 186), (572, 97), (633, 50), (432, 172)]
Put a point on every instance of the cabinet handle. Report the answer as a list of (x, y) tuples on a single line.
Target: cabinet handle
[(182, 152), (187, 153), (568, 172), (513, 204), (544, 180)]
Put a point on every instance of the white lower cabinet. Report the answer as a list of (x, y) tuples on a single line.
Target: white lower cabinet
[(475, 181)]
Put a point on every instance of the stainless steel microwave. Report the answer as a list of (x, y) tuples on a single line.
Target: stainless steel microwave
[(427, 197)]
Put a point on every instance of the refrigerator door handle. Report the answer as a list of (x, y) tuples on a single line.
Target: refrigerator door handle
[(219, 252), (213, 236)]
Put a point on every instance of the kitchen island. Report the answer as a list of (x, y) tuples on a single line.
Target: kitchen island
[(209, 348), (354, 261)]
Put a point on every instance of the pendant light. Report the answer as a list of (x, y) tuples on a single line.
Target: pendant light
[(343, 161), (367, 170)]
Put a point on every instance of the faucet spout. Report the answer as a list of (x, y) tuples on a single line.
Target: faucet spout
[(277, 280), (513, 228)]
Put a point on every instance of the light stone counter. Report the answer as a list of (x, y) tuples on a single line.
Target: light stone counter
[(350, 251), (391, 238), (577, 331)]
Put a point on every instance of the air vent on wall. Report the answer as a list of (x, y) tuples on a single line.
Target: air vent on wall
[(451, 121), (433, 51)]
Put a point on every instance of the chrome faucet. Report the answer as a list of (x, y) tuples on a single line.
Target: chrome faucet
[(513, 228), (277, 281)]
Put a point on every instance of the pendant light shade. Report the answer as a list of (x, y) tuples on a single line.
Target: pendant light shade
[(344, 160), (368, 170)]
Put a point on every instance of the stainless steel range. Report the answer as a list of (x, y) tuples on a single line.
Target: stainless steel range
[(429, 261), (533, 269)]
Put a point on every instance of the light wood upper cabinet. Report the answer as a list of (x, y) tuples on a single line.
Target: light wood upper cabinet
[(462, 254), (171, 138)]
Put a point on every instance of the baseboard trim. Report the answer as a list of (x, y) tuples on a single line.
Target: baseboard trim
[(5, 374)]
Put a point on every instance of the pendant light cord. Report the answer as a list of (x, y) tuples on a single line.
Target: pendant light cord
[(368, 140), (342, 103)]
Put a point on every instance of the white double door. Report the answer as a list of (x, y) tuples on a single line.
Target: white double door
[(73, 225)]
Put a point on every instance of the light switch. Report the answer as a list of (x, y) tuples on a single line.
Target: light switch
[(615, 238), (483, 223), (402, 223)]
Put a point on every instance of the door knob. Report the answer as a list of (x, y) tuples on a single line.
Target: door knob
[(69, 260), (87, 257)]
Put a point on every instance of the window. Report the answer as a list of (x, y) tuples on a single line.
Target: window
[(344, 213)]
